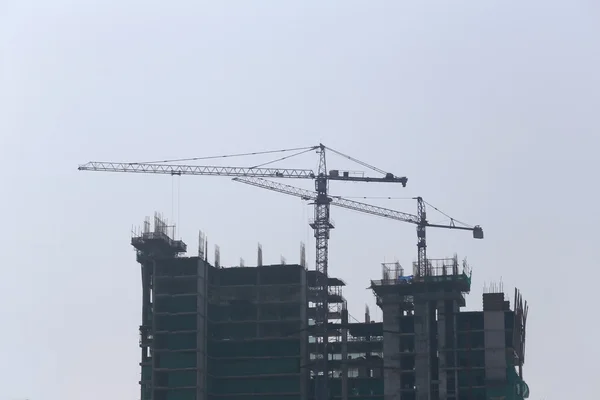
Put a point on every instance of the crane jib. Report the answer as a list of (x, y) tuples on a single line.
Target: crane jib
[(177, 169), (174, 169), (335, 200)]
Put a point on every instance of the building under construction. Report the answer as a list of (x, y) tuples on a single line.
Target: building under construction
[(244, 333), (433, 350)]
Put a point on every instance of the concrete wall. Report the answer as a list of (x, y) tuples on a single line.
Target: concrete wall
[(495, 346)]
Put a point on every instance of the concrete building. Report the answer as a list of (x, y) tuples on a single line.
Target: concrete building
[(245, 333), (235, 333), (227, 333), (433, 351)]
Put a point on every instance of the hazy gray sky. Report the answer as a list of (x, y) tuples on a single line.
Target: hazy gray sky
[(489, 107)]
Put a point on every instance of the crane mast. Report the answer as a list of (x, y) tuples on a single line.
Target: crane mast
[(421, 238), (321, 226), (321, 223)]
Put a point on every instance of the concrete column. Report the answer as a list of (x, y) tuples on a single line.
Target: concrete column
[(304, 353), (345, 354), (441, 327), (202, 304), (423, 373), (391, 350), (153, 316)]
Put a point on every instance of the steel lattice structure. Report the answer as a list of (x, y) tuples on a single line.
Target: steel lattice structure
[(420, 219)]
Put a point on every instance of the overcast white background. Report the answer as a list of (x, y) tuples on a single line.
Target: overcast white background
[(489, 107)]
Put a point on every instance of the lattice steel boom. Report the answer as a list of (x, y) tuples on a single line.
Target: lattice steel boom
[(420, 219), (176, 169)]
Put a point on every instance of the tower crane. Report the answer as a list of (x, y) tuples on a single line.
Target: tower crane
[(321, 223), (420, 220)]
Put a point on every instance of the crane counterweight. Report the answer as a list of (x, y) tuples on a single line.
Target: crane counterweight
[(477, 232)]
